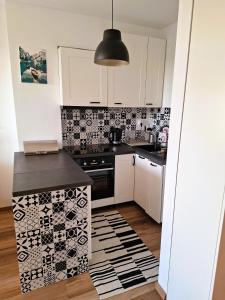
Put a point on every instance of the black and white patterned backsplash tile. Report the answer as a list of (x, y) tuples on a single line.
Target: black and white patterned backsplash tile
[(51, 235), (86, 126)]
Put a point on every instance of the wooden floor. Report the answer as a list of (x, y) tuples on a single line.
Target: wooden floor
[(79, 287)]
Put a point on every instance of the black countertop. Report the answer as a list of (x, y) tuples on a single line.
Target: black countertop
[(40, 173), (108, 149), (154, 157)]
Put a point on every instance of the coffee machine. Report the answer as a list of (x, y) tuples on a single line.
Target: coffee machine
[(115, 135)]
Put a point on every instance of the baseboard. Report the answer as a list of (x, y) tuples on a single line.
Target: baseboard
[(160, 291)]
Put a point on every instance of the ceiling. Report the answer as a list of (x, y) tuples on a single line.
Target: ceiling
[(153, 13)]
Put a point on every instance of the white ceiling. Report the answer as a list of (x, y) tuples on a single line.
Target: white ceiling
[(153, 13)]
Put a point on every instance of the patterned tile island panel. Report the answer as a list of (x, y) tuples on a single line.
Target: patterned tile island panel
[(91, 125), (52, 235)]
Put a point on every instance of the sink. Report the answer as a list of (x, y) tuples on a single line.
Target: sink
[(149, 148), (154, 150), (159, 154)]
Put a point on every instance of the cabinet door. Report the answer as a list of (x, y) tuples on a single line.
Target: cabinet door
[(155, 72), (83, 83), (141, 181), (127, 83), (124, 178), (155, 191)]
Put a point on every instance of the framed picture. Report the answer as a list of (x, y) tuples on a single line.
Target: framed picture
[(33, 66)]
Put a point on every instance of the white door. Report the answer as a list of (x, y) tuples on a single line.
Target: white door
[(124, 178), (155, 72), (127, 83), (141, 181), (155, 191), (83, 83)]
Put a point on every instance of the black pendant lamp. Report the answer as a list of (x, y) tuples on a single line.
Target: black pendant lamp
[(111, 51)]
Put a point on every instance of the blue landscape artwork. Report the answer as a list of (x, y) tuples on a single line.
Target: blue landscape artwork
[(33, 66)]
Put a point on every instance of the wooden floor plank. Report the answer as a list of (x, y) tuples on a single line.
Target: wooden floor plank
[(79, 287)]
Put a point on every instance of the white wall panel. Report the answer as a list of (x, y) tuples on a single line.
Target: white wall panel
[(180, 70), (201, 169)]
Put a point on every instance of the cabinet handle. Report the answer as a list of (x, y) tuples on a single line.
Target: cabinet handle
[(133, 160), (153, 165), (118, 103), (141, 157), (148, 103), (95, 102)]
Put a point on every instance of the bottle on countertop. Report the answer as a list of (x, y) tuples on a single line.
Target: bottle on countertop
[(163, 137), (152, 136)]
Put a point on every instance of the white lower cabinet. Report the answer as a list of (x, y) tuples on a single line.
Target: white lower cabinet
[(155, 191), (141, 178), (124, 178), (148, 192)]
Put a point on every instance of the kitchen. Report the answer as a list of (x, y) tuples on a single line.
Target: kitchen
[(105, 118), (114, 173), (91, 125)]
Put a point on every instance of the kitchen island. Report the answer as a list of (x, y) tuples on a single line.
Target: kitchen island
[(52, 217)]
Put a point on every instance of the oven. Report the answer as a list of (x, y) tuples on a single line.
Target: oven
[(101, 170)]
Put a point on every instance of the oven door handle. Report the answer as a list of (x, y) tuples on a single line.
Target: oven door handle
[(98, 170)]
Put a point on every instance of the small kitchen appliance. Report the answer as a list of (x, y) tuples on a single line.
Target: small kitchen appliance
[(115, 135)]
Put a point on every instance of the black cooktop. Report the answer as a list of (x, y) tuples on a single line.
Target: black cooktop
[(89, 149), (97, 150)]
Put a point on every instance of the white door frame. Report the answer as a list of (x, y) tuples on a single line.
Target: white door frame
[(179, 86), (184, 30)]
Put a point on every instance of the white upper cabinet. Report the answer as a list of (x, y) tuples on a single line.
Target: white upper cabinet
[(127, 83), (154, 72), (83, 83)]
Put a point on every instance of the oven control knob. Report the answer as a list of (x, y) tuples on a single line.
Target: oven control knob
[(103, 161), (84, 163)]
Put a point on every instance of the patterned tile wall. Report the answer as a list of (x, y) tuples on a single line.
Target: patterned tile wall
[(51, 235), (85, 126)]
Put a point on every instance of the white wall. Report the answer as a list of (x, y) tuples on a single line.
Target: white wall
[(179, 81), (170, 33), (38, 106), (199, 206), (8, 135)]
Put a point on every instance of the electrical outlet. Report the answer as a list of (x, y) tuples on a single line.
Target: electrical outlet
[(150, 123), (140, 124)]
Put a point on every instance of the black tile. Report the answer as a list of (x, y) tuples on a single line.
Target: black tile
[(71, 272), (76, 135), (60, 266), (71, 233), (45, 198), (47, 238), (71, 215), (59, 227), (76, 123), (71, 253), (60, 246), (58, 207)]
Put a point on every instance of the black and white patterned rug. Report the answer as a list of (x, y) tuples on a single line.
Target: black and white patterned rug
[(120, 260)]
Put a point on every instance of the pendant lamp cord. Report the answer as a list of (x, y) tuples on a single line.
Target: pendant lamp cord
[(112, 14)]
